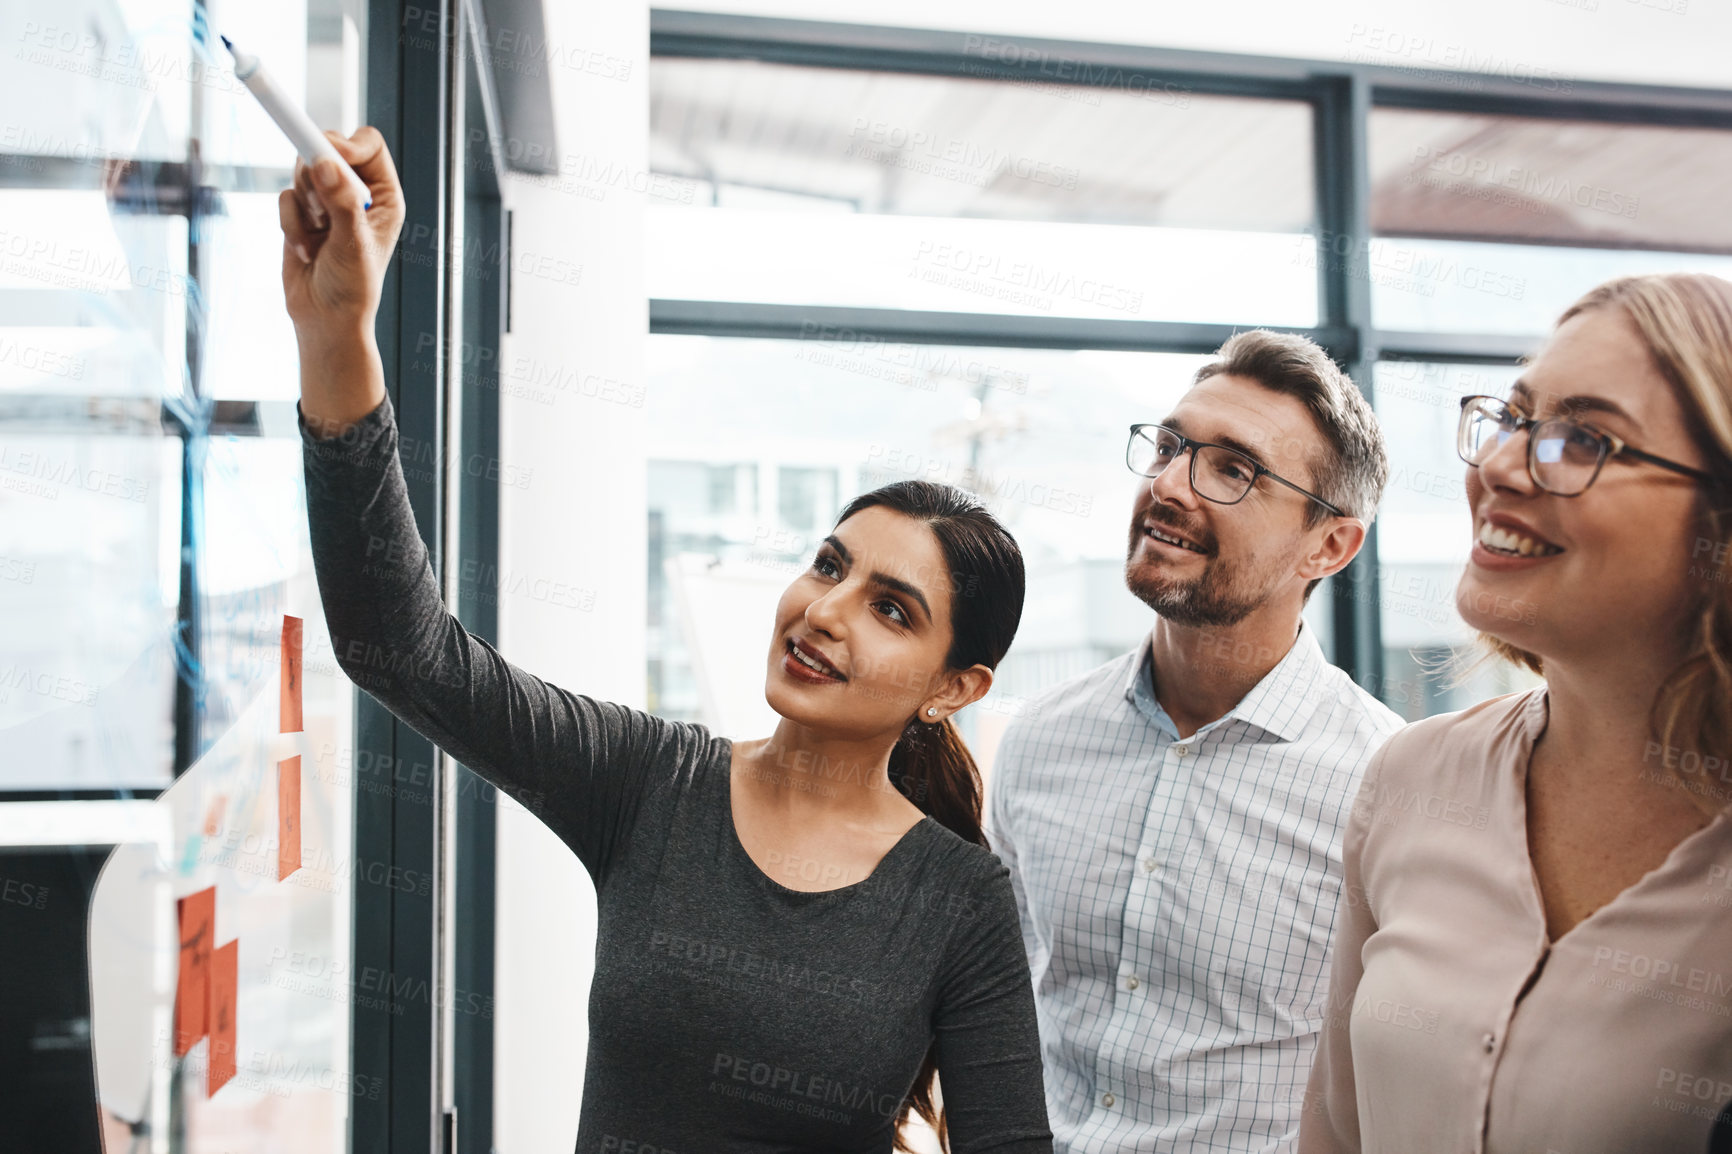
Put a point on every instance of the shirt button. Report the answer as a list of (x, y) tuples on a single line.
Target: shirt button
[(1150, 865), (1490, 1043), (1131, 982), (1182, 750), (1107, 1099)]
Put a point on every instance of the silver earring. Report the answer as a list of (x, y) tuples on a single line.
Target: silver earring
[(931, 711)]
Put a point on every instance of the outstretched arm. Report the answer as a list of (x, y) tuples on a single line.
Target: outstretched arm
[(578, 763)]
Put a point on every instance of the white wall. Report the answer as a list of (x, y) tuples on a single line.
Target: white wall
[(574, 353), (1645, 41)]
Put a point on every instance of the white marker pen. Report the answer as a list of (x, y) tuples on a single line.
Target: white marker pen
[(296, 125)]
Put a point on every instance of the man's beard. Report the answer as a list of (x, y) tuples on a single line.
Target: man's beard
[(1219, 596)]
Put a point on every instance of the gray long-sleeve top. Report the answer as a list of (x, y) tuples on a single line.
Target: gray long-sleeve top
[(728, 1012)]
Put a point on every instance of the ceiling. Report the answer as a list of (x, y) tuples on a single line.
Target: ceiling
[(750, 133)]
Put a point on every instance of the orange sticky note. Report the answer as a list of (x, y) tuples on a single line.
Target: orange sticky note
[(197, 916), (289, 700), (288, 816), (224, 983)]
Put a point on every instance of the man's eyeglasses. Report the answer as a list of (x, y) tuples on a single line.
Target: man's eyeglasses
[(1218, 473), (1564, 458)]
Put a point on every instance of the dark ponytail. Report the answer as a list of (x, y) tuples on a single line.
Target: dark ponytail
[(930, 763), (932, 767)]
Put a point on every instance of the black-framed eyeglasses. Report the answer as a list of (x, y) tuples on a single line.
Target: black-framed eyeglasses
[(1563, 457), (1218, 473)]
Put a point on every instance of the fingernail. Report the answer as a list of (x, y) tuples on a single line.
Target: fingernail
[(301, 251), (325, 172)]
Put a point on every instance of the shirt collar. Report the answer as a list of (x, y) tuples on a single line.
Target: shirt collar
[(1279, 704)]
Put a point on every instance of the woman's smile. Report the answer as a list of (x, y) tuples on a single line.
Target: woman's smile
[(806, 662)]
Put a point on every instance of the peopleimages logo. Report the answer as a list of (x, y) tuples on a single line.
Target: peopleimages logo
[(1664, 972), (39, 359), (886, 463), (1033, 60), (1403, 267), (59, 687), (1528, 182), (1408, 51), (951, 157), (67, 473), (741, 967), (1016, 281), (1384, 803), (813, 1087)]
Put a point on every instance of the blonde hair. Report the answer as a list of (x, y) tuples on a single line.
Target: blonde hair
[(1685, 320)]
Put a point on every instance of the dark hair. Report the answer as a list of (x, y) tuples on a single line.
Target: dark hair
[(930, 764), (1353, 467)]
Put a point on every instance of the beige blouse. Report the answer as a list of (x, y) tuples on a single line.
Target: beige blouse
[(1453, 1026)]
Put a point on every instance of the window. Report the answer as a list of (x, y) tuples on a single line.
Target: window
[(805, 498), (832, 186), (1037, 434), (153, 537), (1424, 536), (1494, 224), (850, 196)]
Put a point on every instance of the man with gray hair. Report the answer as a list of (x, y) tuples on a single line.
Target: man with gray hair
[(1172, 820)]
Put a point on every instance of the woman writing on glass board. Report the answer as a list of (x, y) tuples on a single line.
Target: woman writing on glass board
[(737, 1005)]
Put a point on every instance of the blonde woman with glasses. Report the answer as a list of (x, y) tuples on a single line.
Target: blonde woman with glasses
[(1534, 950)]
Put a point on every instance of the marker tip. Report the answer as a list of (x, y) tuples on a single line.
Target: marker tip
[(226, 42)]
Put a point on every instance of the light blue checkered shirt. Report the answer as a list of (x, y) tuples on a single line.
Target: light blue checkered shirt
[(1178, 897)]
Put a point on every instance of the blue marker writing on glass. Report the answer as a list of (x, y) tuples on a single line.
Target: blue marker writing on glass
[(296, 124)]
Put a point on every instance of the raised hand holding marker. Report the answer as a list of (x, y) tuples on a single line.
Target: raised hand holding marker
[(294, 122)]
